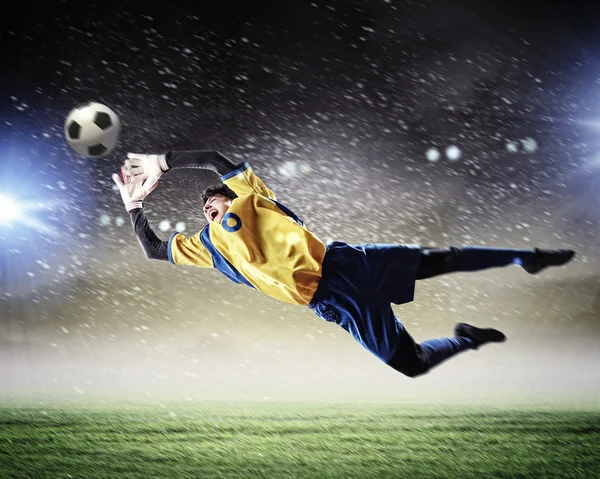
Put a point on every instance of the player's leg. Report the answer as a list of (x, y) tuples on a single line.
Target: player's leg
[(414, 359), (436, 261)]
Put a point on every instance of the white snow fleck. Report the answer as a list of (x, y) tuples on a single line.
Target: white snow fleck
[(529, 145), (180, 226), (119, 221), (512, 147), (288, 169), (104, 220), (305, 168)]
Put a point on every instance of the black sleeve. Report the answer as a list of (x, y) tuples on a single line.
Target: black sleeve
[(150, 243), (203, 159)]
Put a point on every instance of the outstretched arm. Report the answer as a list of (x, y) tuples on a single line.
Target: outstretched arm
[(153, 246), (133, 194), (202, 159), (239, 177), (139, 167)]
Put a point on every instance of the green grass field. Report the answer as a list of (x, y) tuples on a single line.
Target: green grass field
[(284, 441)]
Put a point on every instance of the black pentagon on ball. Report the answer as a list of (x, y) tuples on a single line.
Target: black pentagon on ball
[(102, 120), (96, 150), (74, 130)]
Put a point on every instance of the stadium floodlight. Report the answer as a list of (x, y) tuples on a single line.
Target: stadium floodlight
[(13, 212), (8, 209)]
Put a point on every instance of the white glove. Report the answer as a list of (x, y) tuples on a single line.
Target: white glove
[(140, 167), (133, 194)]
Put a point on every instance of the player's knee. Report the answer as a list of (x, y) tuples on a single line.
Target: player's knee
[(416, 371), (412, 369)]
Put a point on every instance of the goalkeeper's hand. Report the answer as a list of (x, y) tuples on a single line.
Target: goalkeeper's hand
[(140, 167), (134, 193)]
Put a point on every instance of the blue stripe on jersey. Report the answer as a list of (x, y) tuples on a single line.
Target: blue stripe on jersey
[(169, 247), (288, 212), (243, 167), (239, 169), (220, 262)]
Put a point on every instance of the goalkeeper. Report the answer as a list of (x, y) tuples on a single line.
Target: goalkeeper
[(255, 240)]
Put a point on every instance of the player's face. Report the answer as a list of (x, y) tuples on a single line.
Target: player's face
[(216, 207)]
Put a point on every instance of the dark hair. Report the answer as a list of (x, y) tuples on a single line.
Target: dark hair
[(221, 189)]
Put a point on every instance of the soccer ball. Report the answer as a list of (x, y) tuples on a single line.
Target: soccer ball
[(92, 129)]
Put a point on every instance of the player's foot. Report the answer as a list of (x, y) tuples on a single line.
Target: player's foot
[(543, 258), (479, 336)]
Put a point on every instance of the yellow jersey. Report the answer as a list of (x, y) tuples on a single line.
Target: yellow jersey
[(258, 242)]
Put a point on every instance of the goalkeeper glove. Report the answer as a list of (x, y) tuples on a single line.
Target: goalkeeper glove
[(133, 194), (140, 167)]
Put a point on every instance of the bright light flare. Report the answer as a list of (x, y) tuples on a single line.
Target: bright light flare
[(453, 153), (12, 213), (8, 209)]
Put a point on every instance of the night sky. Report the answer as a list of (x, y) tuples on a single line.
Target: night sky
[(438, 123)]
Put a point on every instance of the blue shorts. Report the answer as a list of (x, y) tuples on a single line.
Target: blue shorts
[(357, 287)]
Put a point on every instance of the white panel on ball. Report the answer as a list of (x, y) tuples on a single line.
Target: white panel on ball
[(111, 135), (79, 147), (91, 135), (84, 115), (92, 129)]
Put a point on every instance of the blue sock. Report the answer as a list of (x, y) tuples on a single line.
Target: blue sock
[(474, 258)]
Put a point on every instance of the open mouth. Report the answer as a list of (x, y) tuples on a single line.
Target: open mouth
[(213, 214)]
